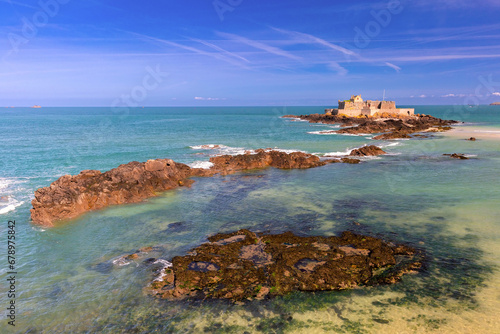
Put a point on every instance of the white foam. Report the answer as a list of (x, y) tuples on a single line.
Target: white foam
[(121, 261), (10, 207), (338, 154), (228, 150), (283, 150), (208, 147), (166, 264), (201, 164), (389, 145), (220, 149), (4, 183), (323, 132), (295, 119)]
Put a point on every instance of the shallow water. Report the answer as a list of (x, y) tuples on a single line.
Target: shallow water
[(446, 207)]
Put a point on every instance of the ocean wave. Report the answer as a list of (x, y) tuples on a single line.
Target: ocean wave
[(295, 119), (339, 154), (323, 132), (11, 194), (220, 149), (208, 147), (217, 149), (201, 164), (10, 206), (389, 145)]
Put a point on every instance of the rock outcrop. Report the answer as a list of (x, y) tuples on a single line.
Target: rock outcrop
[(244, 265), (70, 196), (227, 164), (389, 128), (365, 151)]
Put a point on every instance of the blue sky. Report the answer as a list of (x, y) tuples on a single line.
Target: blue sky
[(247, 52)]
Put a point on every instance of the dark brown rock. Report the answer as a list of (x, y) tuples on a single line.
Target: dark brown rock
[(226, 164), (389, 128), (370, 150), (246, 265), (471, 139), (70, 196)]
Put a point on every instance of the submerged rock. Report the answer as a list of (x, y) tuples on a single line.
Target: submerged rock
[(457, 156), (246, 265)]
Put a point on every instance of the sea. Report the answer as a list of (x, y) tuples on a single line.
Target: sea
[(71, 278)]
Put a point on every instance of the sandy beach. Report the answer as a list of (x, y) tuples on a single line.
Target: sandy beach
[(478, 132)]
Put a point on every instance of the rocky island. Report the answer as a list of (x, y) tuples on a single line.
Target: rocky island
[(377, 117), (495, 104), (72, 195), (244, 265)]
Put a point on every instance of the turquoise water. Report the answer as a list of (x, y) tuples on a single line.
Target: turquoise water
[(67, 282)]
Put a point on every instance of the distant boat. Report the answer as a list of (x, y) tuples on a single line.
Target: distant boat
[(36, 106)]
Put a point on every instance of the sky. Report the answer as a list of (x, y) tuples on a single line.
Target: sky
[(248, 52)]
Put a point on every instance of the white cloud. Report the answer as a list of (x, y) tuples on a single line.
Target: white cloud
[(454, 95), (209, 98), (496, 94), (423, 96)]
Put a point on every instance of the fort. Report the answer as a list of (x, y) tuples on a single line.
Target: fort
[(357, 107)]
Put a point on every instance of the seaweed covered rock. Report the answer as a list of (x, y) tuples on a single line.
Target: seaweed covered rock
[(245, 265)]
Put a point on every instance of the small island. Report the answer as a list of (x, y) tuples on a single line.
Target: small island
[(495, 104), (377, 117)]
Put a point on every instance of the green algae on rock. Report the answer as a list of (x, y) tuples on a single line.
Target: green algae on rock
[(246, 265)]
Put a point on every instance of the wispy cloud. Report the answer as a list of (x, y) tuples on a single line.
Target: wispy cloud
[(216, 55), (259, 45), (218, 48), (300, 37), (397, 68), (496, 94), (16, 3)]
